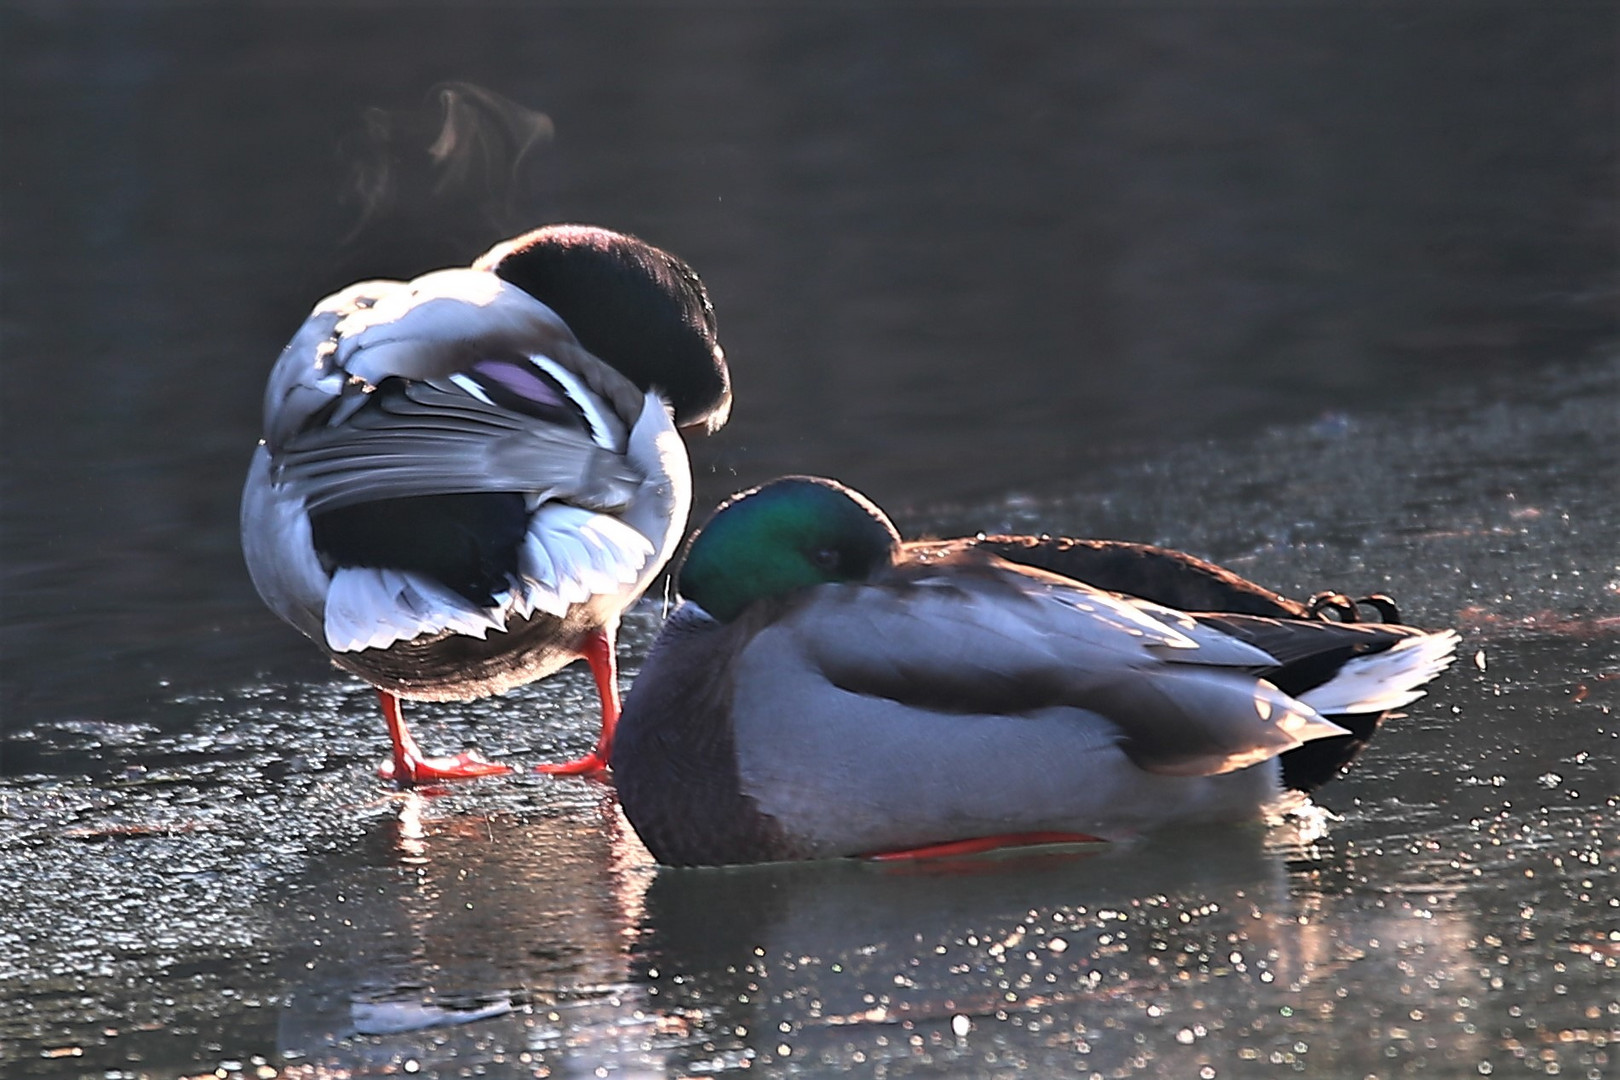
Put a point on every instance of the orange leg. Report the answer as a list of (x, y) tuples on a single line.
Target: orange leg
[(980, 844), (409, 767), (601, 653)]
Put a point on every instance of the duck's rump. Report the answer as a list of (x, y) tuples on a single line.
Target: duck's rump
[(1311, 653), (452, 597)]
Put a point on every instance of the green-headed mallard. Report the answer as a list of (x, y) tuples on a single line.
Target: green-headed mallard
[(825, 690)]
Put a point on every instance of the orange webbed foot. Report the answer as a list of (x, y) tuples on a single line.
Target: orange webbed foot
[(592, 764), (420, 770)]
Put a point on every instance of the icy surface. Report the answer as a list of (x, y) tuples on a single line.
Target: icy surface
[(232, 884)]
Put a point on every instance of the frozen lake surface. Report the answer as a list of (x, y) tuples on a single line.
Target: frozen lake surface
[(229, 879)]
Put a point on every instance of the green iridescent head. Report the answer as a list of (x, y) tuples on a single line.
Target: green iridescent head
[(785, 535)]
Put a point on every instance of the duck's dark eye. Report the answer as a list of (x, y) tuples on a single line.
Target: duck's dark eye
[(824, 559)]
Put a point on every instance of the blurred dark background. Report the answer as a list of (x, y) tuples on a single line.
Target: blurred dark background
[(956, 252)]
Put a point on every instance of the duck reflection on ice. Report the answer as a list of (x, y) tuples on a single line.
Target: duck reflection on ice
[(545, 938), (451, 938), (1186, 953)]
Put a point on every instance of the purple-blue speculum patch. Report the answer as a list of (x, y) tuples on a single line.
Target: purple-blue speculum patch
[(525, 382)]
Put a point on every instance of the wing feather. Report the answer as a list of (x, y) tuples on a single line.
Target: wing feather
[(398, 447)]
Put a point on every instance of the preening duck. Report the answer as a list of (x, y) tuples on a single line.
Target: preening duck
[(826, 690), (466, 478)]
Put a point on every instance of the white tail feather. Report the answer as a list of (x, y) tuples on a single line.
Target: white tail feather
[(1386, 680), (571, 554), (575, 575), (371, 608)]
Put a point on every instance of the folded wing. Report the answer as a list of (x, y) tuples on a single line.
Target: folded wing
[(1184, 699)]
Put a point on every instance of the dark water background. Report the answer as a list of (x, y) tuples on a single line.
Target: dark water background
[(1324, 291)]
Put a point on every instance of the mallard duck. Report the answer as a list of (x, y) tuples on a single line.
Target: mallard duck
[(466, 478), (825, 690)]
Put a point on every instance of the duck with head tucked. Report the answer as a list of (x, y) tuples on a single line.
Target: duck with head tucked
[(466, 478), (825, 690)]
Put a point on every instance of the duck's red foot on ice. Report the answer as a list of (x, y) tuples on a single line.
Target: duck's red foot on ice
[(422, 770)]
